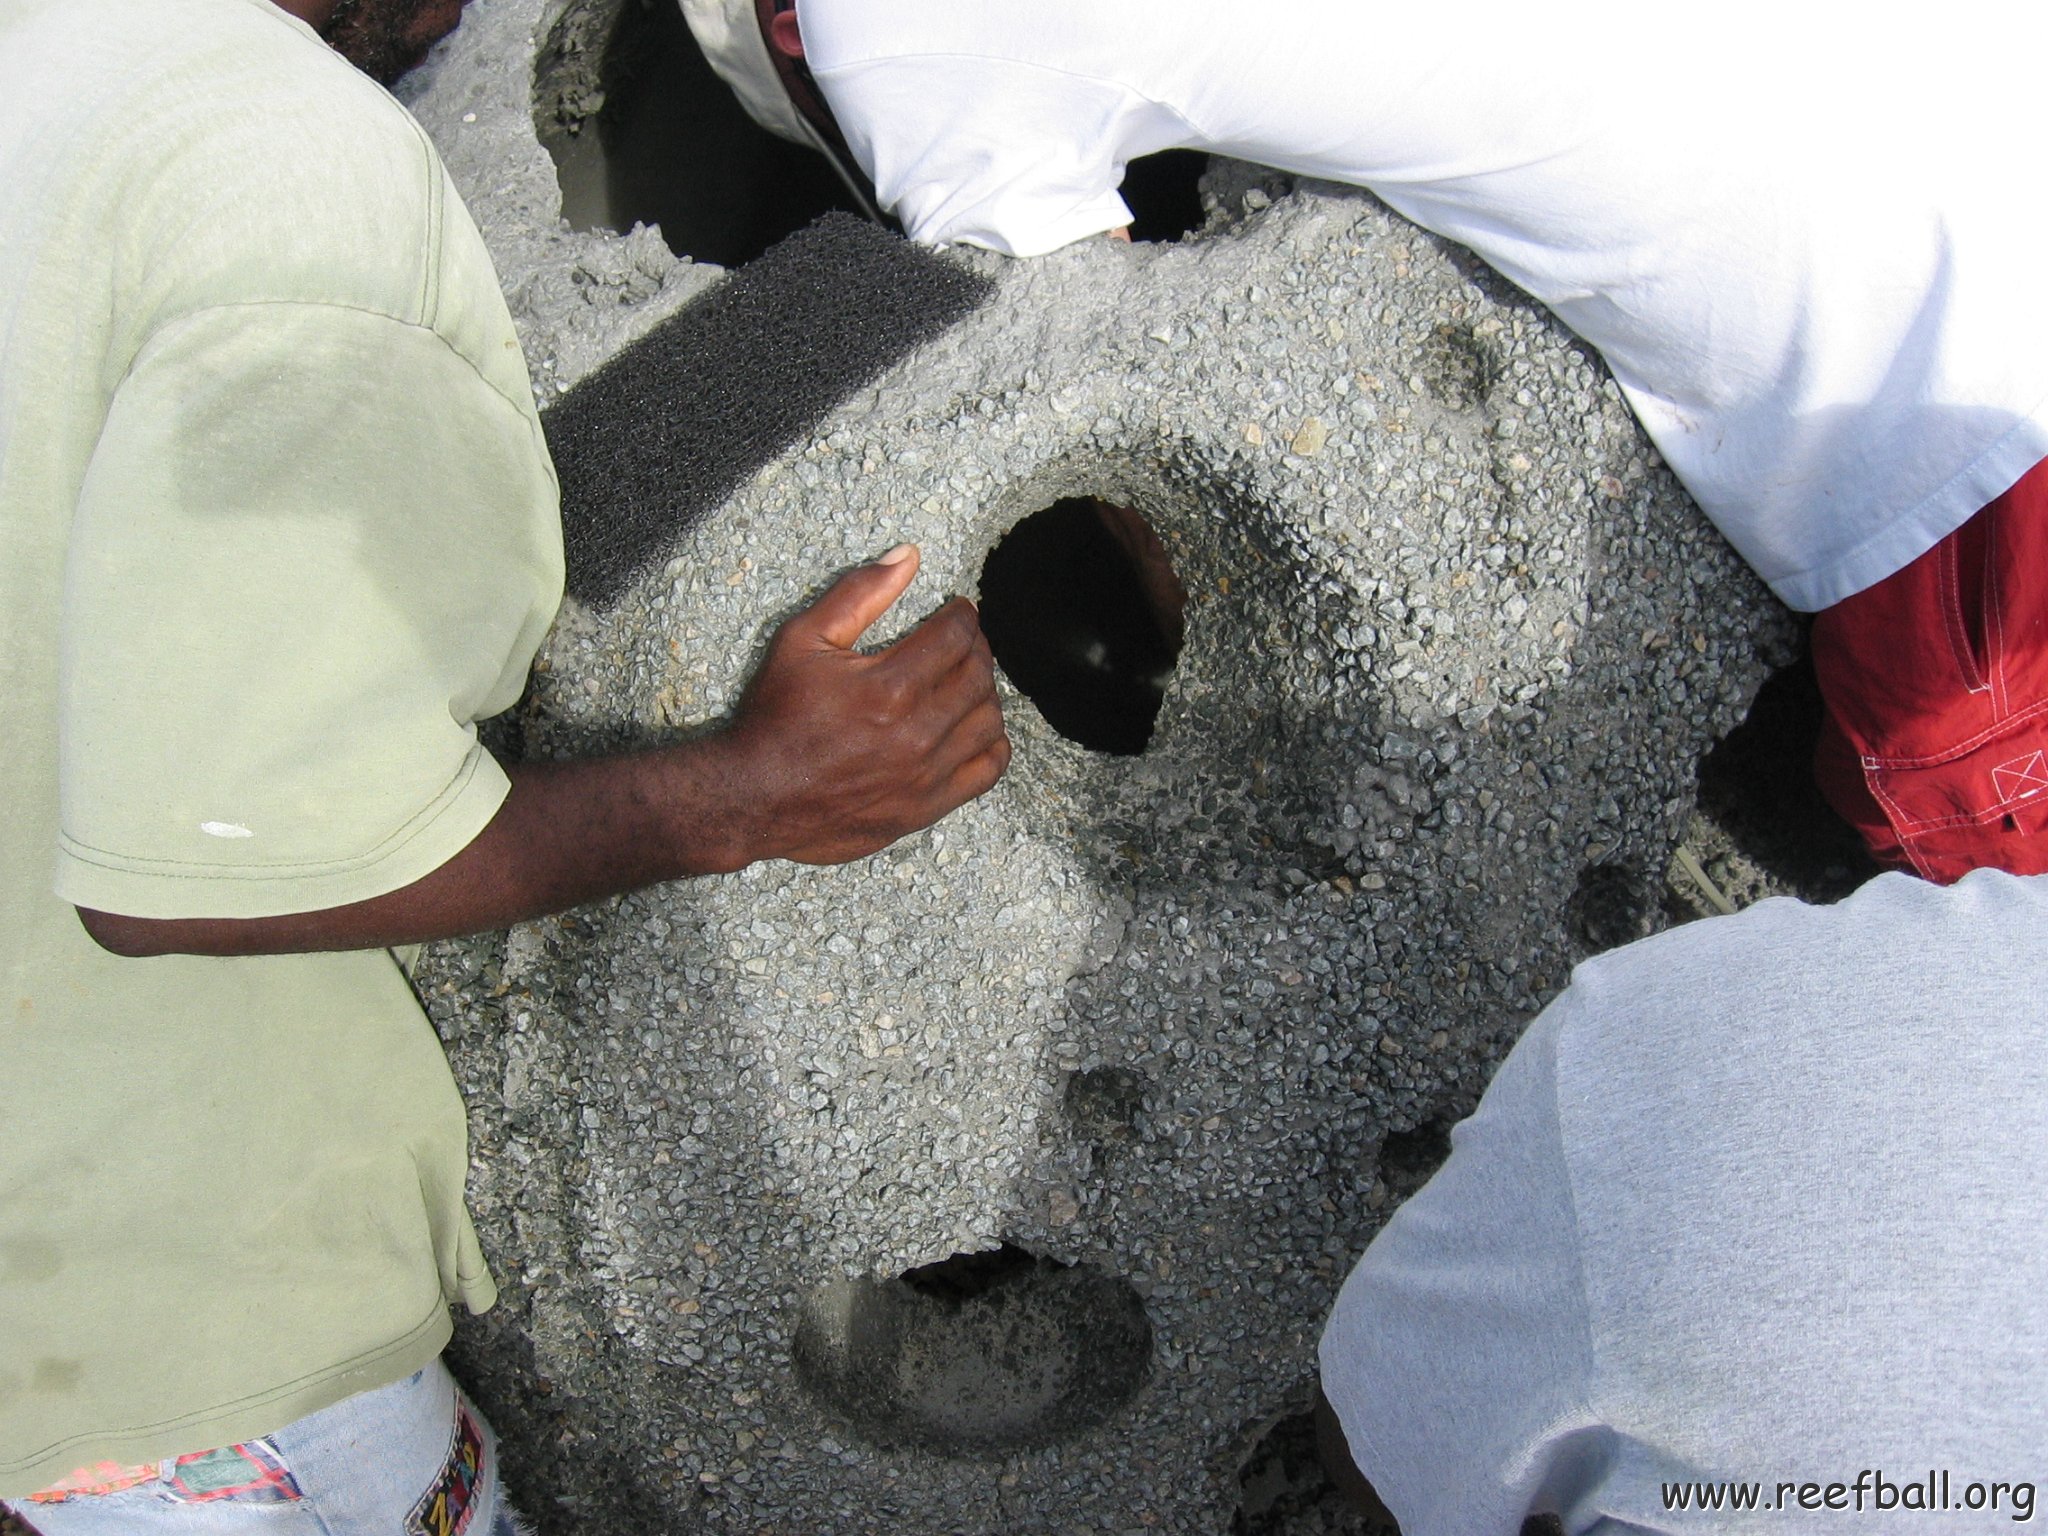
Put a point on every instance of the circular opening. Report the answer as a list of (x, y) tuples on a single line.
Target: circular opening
[(983, 1352), (1757, 785), (1164, 194), (1611, 906), (643, 131), (1102, 1105), (1083, 610)]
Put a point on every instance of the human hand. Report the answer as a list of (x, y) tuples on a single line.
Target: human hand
[(850, 751)]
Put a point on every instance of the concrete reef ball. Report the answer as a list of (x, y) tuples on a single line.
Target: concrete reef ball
[(1454, 645)]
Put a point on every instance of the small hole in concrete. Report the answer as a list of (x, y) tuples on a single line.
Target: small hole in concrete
[(1409, 1159), (1085, 614), (1459, 365), (1102, 1106), (1611, 906), (981, 1353), (642, 131), (1164, 194)]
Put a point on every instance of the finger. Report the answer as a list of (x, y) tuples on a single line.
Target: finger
[(969, 742), (857, 599), (930, 704), (981, 730), (969, 686), (979, 774), (955, 778), (936, 646), (967, 781)]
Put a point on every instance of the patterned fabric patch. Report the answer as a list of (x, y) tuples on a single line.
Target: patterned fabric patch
[(104, 1477), (445, 1508), (251, 1473), (2022, 778)]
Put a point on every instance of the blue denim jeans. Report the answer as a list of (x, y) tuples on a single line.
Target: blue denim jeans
[(411, 1459)]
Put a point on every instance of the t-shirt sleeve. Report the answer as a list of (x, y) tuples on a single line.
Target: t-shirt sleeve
[(312, 547), (1014, 157), (1458, 1355)]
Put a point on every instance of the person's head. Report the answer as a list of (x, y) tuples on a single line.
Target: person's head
[(757, 50), (382, 38)]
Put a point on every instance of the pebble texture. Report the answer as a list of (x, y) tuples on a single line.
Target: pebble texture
[(676, 423), (1455, 645)]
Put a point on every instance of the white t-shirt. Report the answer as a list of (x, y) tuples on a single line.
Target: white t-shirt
[(1806, 245), (1756, 1201)]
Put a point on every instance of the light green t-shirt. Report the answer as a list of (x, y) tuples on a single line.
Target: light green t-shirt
[(276, 526)]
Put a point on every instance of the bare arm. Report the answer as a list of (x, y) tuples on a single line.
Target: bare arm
[(831, 756)]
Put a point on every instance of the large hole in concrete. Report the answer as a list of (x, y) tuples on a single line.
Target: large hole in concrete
[(1083, 610), (1757, 786), (642, 131), (982, 1353), (1283, 1490), (1164, 194)]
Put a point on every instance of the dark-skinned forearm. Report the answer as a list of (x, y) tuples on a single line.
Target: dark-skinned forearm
[(568, 833), (832, 754)]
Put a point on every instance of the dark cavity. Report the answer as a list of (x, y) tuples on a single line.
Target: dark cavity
[(1164, 194), (665, 142), (1085, 615)]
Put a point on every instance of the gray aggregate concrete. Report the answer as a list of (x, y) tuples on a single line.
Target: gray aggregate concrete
[(1455, 640)]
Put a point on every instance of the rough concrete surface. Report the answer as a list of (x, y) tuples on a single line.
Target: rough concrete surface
[(1456, 643)]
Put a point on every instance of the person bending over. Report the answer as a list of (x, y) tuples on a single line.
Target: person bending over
[(1806, 252), (1748, 1220)]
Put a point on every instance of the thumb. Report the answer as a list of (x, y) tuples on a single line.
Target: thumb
[(860, 597)]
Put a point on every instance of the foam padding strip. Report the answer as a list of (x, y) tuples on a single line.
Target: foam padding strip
[(677, 422)]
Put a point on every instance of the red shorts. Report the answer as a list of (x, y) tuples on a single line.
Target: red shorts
[(1935, 744)]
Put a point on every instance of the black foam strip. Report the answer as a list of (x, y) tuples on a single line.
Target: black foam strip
[(677, 422)]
